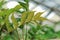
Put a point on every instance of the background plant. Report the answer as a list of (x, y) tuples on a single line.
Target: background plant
[(18, 29)]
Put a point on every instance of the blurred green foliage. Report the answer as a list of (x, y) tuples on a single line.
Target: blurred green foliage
[(17, 31)]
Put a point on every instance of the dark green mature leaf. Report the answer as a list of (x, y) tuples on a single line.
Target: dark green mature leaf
[(26, 1), (7, 37), (58, 34), (23, 4)]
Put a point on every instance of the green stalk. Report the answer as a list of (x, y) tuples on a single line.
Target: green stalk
[(26, 32), (27, 10), (18, 35)]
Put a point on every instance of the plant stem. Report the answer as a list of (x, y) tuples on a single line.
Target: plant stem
[(0, 32), (26, 33), (18, 35), (23, 33), (27, 9)]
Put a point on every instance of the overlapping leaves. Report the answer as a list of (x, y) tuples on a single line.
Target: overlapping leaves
[(29, 16), (26, 16), (6, 13)]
